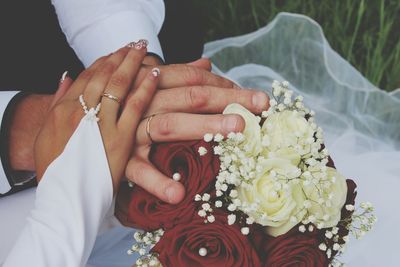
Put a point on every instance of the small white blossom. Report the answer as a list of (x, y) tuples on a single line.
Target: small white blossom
[(245, 230), (302, 228), (206, 197), (218, 150), (218, 203), (233, 194), (322, 247), (231, 219), (208, 137), (328, 234), (219, 193), (218, 137), (202, 213), (250, 220), (202, 151), (206, 206), (329, 253), (336, 247), (211, 218), (232, 207)]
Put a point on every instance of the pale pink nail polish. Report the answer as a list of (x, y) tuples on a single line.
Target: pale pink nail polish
[(155, 72), (142, 43), (63, 77)]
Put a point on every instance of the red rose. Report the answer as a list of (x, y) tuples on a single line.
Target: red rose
[(198, 176), (225, 245), (294, 249)]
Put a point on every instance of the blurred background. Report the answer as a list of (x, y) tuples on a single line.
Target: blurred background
[(364, 32)]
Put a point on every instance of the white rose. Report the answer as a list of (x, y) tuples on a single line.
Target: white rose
[(271, 205), (288, 129), (335, 194), (252, 131)]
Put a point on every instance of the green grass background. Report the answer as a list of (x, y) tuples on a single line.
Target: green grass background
[(364, 32)]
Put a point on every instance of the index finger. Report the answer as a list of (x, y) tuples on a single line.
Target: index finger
[(181, 75)]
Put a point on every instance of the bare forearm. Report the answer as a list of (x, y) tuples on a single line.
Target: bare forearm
[(25, 125)]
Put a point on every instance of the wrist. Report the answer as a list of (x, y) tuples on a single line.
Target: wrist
[(26, 122)]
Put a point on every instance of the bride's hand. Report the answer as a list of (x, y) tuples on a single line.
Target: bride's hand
[(113, 75)]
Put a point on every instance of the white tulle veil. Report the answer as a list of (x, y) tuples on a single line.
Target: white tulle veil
[(361, 124)]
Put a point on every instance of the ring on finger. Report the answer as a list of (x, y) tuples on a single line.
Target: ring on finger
[(148, 127), (112, 97)]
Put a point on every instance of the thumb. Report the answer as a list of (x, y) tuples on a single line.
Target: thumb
[(63, 86), (203, 63)]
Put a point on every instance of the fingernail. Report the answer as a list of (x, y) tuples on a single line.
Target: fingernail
[(155, 72), (142, 43), (63, 77), (229, 123), (169, 192), (260, 100), (139, 44)]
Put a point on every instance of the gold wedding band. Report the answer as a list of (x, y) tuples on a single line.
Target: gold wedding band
[(148, 127), (114, 98)]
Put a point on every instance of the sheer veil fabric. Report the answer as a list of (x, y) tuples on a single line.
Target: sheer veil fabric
[(361, 122)]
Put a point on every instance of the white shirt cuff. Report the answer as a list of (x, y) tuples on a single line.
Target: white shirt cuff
[(114, 32), (5, 98)]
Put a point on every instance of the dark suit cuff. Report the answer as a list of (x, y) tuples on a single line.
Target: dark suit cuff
[(13, 177), (156, 56)]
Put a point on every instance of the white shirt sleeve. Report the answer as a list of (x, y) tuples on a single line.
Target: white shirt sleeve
[(95, 28), (71, 201), (5, 98)]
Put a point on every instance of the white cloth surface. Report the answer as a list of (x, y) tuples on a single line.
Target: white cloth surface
[(71, 202), (361, 122), (5, 98), (96, 28)]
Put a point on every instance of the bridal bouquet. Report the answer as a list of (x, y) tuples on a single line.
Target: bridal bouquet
[(269, 196)]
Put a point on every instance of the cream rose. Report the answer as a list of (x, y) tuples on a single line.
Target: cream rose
[(335, 194), (269, 202), (252, 131), (288, 130)]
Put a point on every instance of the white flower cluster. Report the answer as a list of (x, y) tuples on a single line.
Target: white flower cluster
[(144, 242), (275, 172), (358, 225), (206, 210), (364, 221)]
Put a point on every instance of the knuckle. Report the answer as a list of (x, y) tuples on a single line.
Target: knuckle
[(112, 144), (134, 171), (106, 69), (86, 74), (119, 79), (135, 104), (62, 113), (165, 127), (197, 97), (194, 76), (58, 114)]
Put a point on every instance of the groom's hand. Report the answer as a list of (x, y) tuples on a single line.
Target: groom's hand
[(189, 106)]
